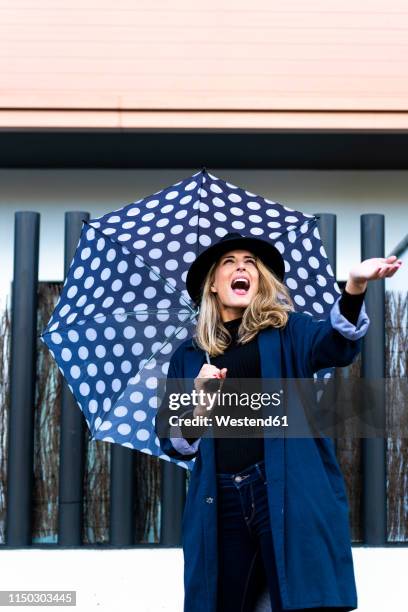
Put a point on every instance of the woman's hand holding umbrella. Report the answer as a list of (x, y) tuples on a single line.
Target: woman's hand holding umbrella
[(201, 382)]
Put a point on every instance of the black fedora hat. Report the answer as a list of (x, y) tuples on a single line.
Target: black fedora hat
[(198, 270)]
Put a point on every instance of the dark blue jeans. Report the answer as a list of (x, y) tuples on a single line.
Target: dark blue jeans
[(246, 560)]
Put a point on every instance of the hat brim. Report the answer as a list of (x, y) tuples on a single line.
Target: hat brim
[(198, 270)]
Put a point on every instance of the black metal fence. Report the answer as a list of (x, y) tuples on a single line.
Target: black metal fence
[(134, 490)]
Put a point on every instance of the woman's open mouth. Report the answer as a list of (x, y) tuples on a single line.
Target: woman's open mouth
[(240, 286)]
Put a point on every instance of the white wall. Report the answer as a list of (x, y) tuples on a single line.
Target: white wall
[(346, 193), (151, 580)]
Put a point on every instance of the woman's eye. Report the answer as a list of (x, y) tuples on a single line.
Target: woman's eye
[(252, 261)]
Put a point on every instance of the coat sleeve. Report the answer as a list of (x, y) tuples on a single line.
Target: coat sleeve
[(332, 342), (171, 441)]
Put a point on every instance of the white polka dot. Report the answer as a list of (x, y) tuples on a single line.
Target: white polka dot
[(120, 411), (116, 285), (139, 244), (78, 273), (85, 253), (126, 366), (105, 274), (151, 382), (66, 354), (132, 212), (100, 386), (93, 406), (149, 331), (137, 348), (92, 369), (83, 352), (238, 225), (107, 302), (84, 389), (129, 332), (105, 426), (73, 335), (64, 310), (107, 404), (116, 385), (135, 279), (143, 435), (310, 290), (124, 429), (81, 301), (109, 333), (98, 292), (108, 368), (291, 283), (129, 296), (90, 308), (136, 397), (122, 267), (91, 334), (96, 262), (128, 224), (118, 350), (75, 372)]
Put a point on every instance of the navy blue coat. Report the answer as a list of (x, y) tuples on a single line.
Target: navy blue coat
[(308, 504)]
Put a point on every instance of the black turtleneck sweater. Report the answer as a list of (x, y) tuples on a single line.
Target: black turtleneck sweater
[(243, 361)]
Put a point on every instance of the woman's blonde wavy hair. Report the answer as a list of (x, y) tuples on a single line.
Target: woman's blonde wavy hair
[(270, 307)]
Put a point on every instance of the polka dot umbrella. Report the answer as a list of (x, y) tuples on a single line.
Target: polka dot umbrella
[(124, 308)]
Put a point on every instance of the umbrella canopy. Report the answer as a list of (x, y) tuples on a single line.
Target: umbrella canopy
[(124, 308)]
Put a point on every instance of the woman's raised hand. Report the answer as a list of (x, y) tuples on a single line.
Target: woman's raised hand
[(373, 268)]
